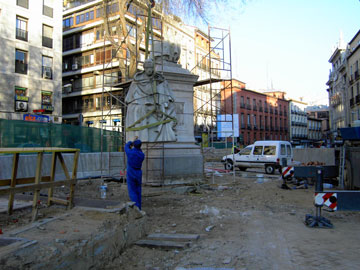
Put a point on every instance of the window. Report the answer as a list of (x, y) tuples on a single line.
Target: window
[(288, 148), (47, 36), (270, 150), (68, 22), (87, 16), (254, 119), (46, 100), (21, 28), (21, 61), (245, 151), (248, 119), (283, 150), (47, 64), (47, 8), (258, 150), (23, 3)]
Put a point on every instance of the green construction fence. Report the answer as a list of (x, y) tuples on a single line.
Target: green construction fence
[(19, 133)]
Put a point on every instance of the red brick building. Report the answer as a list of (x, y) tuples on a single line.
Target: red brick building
[(262, 116)]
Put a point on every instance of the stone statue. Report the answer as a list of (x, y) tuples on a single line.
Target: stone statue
[(150, 107), (169, 52)]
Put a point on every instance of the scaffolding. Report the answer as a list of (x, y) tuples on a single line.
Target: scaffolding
[(134, 34), (216, 109)]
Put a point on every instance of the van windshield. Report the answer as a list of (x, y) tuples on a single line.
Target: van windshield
[(245, 151), (270, 150), (288, 150)]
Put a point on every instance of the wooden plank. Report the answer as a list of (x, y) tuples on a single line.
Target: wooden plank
[(15, 164), (173, 236), (22, 181), (37, 181), (31, 187), (63, 165), (161, 244), (60, 201), (12, 150), (52, 177)]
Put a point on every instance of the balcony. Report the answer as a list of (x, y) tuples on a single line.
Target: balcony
[(248, 106), (254, 108), (261, 128), (249, 127), (242, 105), (21, 34), (260, 109), (47, 42), (21, 68), (255, 127), (266, 109), (48, 11), (352, 102), (357, 99), (242, 126)]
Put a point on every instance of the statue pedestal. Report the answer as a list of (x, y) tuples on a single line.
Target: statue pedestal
[(172, 163), (181, 161)]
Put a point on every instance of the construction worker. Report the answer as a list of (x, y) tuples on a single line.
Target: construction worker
[(135, 157)]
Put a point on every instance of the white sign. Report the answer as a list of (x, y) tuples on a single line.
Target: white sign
[(225, 125)]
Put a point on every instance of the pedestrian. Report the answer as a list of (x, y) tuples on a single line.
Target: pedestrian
[(135, 157)]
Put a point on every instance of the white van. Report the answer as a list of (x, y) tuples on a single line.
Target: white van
[(270, 155)]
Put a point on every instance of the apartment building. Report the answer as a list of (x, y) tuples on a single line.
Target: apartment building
[(262, 116), (30, 73), (353, 63), (338, 87), (88, 55), (298, 122), (321, 113), (314, 133), (344, 85)]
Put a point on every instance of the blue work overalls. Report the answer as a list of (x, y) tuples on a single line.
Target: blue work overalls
[(135, 157)]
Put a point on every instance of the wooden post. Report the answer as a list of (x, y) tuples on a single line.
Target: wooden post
[(15, 164), (52, 177), (73, 177), (37, 181)]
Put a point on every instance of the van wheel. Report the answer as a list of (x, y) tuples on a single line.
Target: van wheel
[(228, 165), (269, 169)]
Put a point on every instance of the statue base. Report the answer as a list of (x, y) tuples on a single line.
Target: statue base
[(172, 164)]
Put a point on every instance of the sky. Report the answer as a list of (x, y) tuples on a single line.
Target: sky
[(286, 44)]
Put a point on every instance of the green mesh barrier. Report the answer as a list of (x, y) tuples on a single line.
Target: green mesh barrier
[(18, 133)]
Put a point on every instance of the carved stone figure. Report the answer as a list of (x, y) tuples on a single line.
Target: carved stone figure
[(151, 110), (170, 52)]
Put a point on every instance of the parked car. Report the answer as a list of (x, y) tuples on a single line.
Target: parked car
[(270, 155)]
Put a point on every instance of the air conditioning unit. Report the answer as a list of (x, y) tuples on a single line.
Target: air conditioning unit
[(68, 88), (75, 66), (47, 73), (21, 106)]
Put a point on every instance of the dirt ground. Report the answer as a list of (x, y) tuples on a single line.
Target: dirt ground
[(244, 222)]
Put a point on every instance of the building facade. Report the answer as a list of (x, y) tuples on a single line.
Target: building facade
[(88, 57), (344, 85), (298, 123), (30, 74), (353, 64), (261, 116)]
